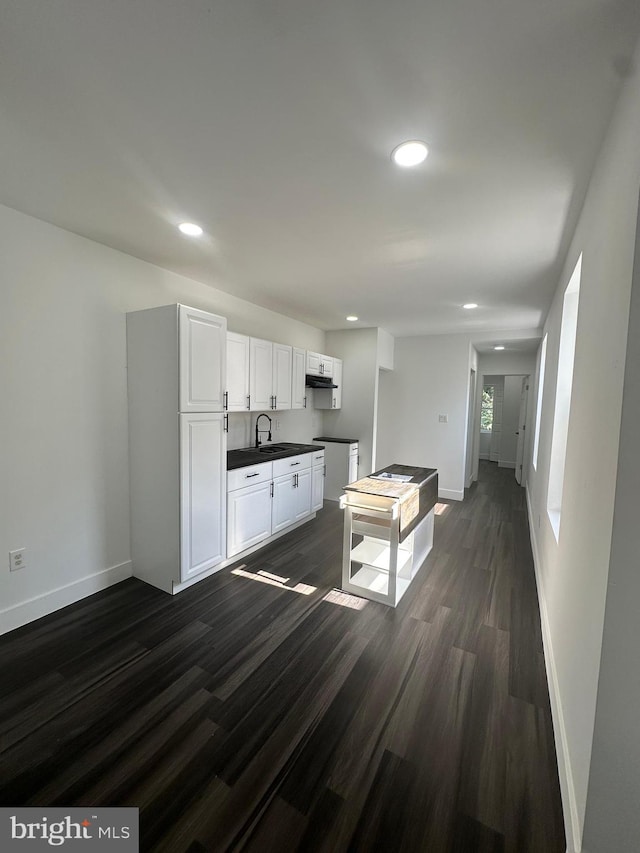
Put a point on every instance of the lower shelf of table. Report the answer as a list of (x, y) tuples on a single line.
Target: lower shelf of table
[(376, 553), (370, 582)]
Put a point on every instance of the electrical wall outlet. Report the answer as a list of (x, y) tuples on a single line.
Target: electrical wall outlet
[(277, 426), (443, 419), (17, 559)]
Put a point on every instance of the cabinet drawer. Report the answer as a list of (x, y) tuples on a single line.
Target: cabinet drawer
[(291, 464), (252, 474), (317, 458), (353, 450)]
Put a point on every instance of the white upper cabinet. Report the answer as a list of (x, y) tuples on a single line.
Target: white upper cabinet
[(237, 372), (260, 374), (319, 364), (337, 379), (326, 365), (313, 363), (281, 376), (298, 390), (202, 342), (270, 367), (330, 398)]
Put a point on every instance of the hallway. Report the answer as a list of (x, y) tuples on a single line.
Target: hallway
[(269, 712)]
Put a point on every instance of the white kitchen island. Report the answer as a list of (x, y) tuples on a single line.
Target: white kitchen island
[(388, 531)]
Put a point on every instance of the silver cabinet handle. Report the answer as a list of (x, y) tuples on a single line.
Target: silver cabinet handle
[(225, 405), (295, 481), (225, 423), (324, 473), (257, 474), (334, 402), (291, 464), (305, 402), (248, 401), (271, 489)]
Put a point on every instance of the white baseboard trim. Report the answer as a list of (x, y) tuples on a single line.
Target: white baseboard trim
[(451, 494), (41, 605), (567, 787), (506, 464)]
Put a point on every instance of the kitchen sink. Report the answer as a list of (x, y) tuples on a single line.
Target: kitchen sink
[(273, 448)]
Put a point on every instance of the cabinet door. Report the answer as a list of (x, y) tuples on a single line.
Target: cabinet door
[(298, 390), (282, 370), (237, 372), (260, 374), (317, 487), (302, 495), (337, 380), (202, 493), (326, 365), (313, 363), (353, 466), (248, 517), (202, 343), (283, 508)]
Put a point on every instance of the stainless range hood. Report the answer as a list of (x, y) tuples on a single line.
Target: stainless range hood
[(319, 382)]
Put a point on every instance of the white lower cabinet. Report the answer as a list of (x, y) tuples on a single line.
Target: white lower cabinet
[(202, 529), (291, 499), (267, 498), (291, 491), (317, 480), (248, 517)]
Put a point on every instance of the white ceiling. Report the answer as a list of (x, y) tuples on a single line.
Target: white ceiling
[(271, 122)]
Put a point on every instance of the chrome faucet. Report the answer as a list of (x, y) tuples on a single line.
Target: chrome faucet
[(258, 442)]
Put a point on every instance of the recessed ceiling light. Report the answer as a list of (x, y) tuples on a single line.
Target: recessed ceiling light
[(190, 229), (352, 318), (470, 305), (410, 153), (499, 347)]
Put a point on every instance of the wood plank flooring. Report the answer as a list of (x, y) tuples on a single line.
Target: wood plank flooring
[(257, 715)]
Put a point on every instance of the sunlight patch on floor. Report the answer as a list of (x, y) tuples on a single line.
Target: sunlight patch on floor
[(264, 577), (344, 599)]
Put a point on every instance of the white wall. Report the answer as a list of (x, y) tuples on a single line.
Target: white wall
[(573, 572), (64, 460), (358, 349), (430, 378), (612, 820), (386, 344)]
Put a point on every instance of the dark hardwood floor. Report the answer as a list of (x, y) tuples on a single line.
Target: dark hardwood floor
[(255, 715)]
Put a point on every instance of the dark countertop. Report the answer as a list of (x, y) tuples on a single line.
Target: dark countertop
[(419, 476), (394, 488), (336, 440), (254, 456)]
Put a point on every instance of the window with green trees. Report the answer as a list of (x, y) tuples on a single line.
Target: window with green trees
[(486, 413)]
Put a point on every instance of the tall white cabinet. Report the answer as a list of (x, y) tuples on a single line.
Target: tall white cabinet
[(176, 369)]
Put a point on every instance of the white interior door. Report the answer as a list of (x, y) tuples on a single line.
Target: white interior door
[(496, 430), (470, 430), (522, 426)]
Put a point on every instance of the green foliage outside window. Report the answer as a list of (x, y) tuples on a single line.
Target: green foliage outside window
[(486, 413)]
